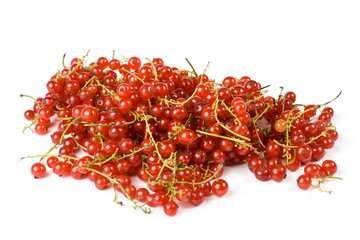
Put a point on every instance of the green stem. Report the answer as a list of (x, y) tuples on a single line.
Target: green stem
[(61, 139), (191, 67), (115, 181), (63, 61), (154, 69), (36, 101)]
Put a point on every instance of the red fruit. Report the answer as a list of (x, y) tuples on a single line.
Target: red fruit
[(326, 142), (83, 162), (329, 167), (272, 149), (304, 153), (304, 181), (101, 182), (89, 114), (96, 72), (262, 173), (50, 162), (219, 187), (293, 165), (312, 170), (176, 131), (61, 168), (197, 197), (218, 156), (141, 194), (38, 170), (255, 163), (126, 146), (278, 173), (183, 193), (273, 162), (318, 152), (166, 148), (123, 90), (41, 128), (226, 145), (186, 136), (170, 208), (29, 115)]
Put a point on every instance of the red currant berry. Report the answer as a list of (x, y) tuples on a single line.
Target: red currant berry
[(262, 173), (278, 173), (186, 136), (329, 167), (61, 168), (219, 187), (38, 170), (197, 197), (170, 208), (90, 114), (312, 170), (304, 181), (134, 63)]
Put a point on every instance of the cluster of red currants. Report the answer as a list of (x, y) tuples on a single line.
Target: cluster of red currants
[(174, 130)]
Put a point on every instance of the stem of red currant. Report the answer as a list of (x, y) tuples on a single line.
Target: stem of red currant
[(36, 101), (154, 69), (116, 182), (191, 67), (63, 61), (61, 139)]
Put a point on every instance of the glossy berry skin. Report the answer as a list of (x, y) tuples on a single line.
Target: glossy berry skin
[(41, 128), (179, 113), (312, 170), (123, 90), (134, 63), (170, 208), (318, 152), (61, 168), (304, 153), (166, 148), (96, 72), (82, 162), (126, 145), (183, 193), (329, 167), (146, 72), (141, 194), (272, 149), (278, 173), (280, 125), (219, 187), (186, 136), (197, 197), (291, 96), (255, 163), (262, 173), (326, 142), (147, 91), (29, 115), (304, 181), (89, 114), (101, 182), (38, 170), (226, 145), (50, 162)]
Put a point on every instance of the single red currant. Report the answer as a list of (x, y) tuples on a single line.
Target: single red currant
[(38, 170)]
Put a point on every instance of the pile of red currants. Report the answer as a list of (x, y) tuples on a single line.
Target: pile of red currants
[(175, 130)]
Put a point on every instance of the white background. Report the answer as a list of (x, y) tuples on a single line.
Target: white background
[(309, 47)]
